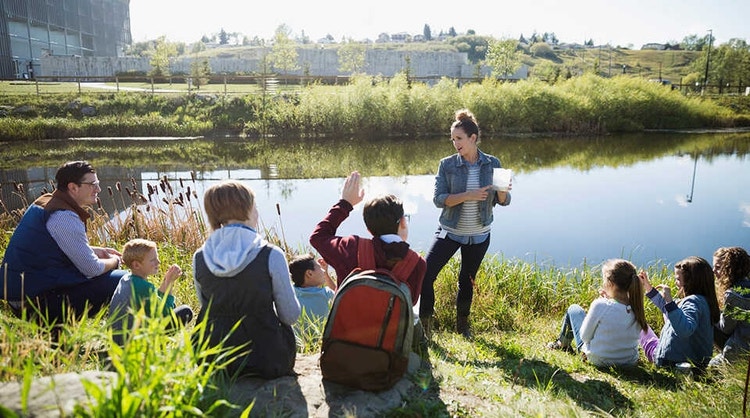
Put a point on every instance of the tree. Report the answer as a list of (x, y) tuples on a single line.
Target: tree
[(162, 52), (452, 31), (200, 71), (304, 39), (198, 47), (728, 63), (140, 49), (223, 37), (547, 71), (475, 46), (694, 43), (504, 57), (542, 49), (427, 32), (284, 51), (351, 57)]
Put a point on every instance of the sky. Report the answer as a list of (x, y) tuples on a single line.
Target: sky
[(615, 22)]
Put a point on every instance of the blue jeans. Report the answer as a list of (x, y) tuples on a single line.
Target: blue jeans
[(571, 326), (438, 256), (88, 297)]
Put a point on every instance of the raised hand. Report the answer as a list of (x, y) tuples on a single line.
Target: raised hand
[(352, 191)]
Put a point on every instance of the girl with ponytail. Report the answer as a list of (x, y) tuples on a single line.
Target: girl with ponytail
[(608, 334)]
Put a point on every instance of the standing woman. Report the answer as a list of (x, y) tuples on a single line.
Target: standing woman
[(464, 192)]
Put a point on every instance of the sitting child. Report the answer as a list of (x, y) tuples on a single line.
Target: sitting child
[(732, 332), (314, 287), (243, 285), (134, 291), (608, 333), (688, 332), (384, 218)]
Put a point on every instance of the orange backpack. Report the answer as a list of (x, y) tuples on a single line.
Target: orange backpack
[(368, 334)]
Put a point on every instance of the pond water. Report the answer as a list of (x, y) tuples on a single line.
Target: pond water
[(574, 201)]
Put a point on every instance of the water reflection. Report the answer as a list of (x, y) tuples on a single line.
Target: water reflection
[(574, 200), (692, 182)]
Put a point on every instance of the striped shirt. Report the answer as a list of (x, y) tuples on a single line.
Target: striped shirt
[(469, 223), (69, 232)]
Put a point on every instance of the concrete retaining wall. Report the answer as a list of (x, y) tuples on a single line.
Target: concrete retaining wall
[(314, 62)]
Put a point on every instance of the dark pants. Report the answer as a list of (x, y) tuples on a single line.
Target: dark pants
[(438, 256), (55, 305)]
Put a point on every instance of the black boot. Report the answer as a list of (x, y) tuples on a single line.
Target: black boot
[(462, 326)]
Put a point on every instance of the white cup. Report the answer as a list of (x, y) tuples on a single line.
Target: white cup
[(501, 178)]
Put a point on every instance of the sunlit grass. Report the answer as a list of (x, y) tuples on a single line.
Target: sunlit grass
[(504, 371), (370, 107)]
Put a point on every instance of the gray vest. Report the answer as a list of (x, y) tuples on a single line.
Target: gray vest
[(247, 298)]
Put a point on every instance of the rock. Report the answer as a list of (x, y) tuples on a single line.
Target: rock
[(25, 110), (52, 396), (88, 111), (304, 395)]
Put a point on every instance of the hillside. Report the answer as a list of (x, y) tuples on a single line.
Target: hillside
[(671, 65)]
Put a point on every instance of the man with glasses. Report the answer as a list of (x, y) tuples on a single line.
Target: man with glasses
[(49, 268)]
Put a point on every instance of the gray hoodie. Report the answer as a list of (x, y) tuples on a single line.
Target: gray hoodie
[(229, 249)]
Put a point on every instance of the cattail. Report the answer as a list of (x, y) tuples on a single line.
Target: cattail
[(192, 175), (20, 188), (182, 186), (15, 186), (118, 186), (187, 194), (150, 189), (109, 190), (162, 186)]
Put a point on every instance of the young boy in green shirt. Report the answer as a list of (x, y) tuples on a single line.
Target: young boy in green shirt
[(134, 291)]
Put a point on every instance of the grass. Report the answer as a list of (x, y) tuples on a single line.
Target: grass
[(505, 371), (374, 107)]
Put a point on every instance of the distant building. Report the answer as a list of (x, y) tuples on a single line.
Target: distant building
[(401, 37), (655, 46), (31, 29)]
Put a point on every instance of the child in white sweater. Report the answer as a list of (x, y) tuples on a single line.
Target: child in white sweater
[(608, 333)]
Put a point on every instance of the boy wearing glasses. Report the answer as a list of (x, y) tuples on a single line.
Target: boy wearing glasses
[(49, 262), (385, 220)]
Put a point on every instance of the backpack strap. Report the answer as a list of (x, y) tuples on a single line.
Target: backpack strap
[(402, 269), (365, 254)]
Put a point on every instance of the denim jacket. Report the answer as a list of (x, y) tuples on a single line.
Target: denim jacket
[(452, 176)]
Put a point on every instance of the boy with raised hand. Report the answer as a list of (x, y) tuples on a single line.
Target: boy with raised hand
[(134, 291), (385, 219)]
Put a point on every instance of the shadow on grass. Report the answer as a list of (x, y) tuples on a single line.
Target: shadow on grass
[(423, 400), (592, 394)]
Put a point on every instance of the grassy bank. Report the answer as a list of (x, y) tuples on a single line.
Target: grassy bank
[(374, 107), (505, 371)]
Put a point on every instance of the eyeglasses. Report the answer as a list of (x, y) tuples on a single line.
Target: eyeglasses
[(90, 183), (407, 216)]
